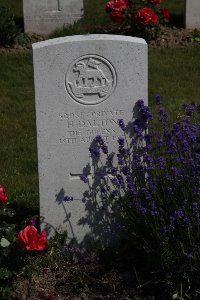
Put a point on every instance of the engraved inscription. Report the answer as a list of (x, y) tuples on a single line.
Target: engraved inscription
[(82, 127), (90, 79)]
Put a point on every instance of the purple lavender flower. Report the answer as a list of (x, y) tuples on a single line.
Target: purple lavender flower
[(179, 214), (104, 148), (68, 198), (125, 170), (136, 129), (84, 178), (103, 190), (130, 185), (184, 106), (100, 139), (114, 193), (115, 181), (120, 180), (110, 157), (113, 171), (174, 171), (160, 162), (91, 149), (32, 221), (172, 149), (94, 152), (169, 189), (136, 157), (121, 141), (158, 99), (159, 142), (189, 255), (145, 113), (120, 159), (140, 103), (142, 210), (122, 124), (190, 110), (122, 150), (164, 117), (149, 161)]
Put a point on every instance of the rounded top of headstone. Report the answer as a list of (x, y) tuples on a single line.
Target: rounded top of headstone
[(88, 37)]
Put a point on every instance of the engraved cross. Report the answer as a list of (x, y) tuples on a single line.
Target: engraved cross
[(53, 6), (90, 176), (59, 5)]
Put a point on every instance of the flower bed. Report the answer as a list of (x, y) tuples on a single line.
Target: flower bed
[(143, 17)]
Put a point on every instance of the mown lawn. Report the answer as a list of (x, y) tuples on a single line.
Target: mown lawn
[(17, 128)]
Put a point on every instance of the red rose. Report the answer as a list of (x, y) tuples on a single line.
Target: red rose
[(3, 195), (155, 2), (145, 16), (165, 13), (29, 239), (115, 8)]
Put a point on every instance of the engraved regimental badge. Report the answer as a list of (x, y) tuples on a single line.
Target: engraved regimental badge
[(90, 79)]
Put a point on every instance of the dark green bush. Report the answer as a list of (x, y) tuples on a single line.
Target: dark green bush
[(8, 28)]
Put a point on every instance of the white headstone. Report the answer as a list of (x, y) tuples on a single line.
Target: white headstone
[(44, 16), (192, 14), (83, 85)]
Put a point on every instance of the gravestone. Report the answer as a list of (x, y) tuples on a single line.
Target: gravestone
[(83, 85), (44, 16), (192, 14)]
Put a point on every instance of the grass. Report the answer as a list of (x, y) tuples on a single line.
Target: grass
[(174, 6), (17, 128), (16, 7), (174, 74)]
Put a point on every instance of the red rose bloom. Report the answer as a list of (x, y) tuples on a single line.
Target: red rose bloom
[(145, 16), (115, 8), (3, 195), (165, 13), (155, 2), (29, 239)]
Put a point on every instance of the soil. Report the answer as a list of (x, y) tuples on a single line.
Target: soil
[(66, 278), (170, 37)]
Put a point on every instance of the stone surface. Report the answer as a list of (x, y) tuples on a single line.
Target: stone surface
[(83, 85), (44, 16), (192, 14)]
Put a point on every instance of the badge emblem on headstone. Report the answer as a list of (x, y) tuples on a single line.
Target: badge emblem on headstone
[(90, 79)]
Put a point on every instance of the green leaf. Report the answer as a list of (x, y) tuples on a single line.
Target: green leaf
[(4, 243)]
